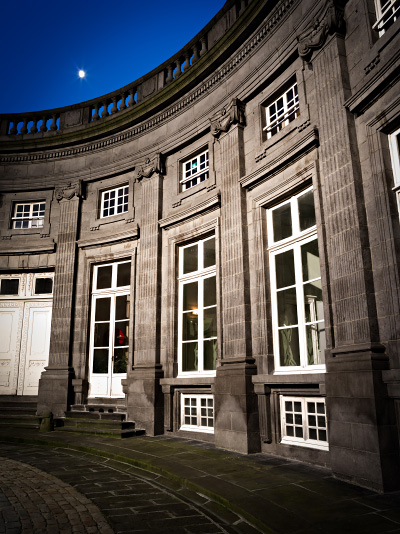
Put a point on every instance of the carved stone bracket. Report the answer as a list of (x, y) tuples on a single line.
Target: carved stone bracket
[(330, 21), (228, 115), (69, 191), (149, 167)]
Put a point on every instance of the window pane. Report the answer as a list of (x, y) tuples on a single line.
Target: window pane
[(120, 363), (210, 355), (310, 261), (287, 307), (190, 294), (322, 435), (43, 285), (282, 222), (314, 310), (284, 266), (103, 310), (9, 286), (306, 211), (122, 305), (316, 343), (189, 357), (101, 334), (124, 274), (210, 322), (100, 361), (190, 259), (190, 326), (289, 347), (210, 291), (121, 333), (104, 277), (209, 252)]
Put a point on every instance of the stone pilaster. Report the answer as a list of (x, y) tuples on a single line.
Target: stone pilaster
[(360, 414), (142, 386), (236, 425), (54, 384)]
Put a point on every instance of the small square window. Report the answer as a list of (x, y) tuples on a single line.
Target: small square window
[(303, 422), (197, 413), (43, 286), (28, 215), (9, 286), (114, 201), (281, 111), (194, 171)]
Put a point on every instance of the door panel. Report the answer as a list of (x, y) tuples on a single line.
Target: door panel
[(35, 350), (11, 314)]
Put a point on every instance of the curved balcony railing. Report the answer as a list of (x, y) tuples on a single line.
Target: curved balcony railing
[(53, 121)]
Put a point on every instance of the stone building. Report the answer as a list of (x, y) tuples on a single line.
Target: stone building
[(214, 249)]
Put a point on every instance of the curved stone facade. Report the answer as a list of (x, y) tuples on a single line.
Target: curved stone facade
[(224, 239)]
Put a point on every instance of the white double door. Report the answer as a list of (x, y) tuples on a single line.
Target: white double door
[(24, 344)]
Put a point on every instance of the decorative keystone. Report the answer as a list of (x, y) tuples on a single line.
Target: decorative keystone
[(228, 115), (149, 167), (329, 22), (69, 191)]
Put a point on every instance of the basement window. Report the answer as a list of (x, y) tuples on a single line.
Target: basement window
[(303, 422), (197, 413)]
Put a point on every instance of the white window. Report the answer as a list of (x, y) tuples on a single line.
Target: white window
[(25, 285), (195, 170), (296, 290), (284, 110), (387, 12), (114, 201), (197, 413), (303, 422), (197, 328), (28, 215), (394, 144), (110, 326)]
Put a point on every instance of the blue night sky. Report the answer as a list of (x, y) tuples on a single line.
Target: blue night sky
[(44, 43)]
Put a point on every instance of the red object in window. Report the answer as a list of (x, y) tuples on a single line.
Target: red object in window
[(120, 338)]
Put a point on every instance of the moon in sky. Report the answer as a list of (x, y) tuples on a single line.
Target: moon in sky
[(81, 74)]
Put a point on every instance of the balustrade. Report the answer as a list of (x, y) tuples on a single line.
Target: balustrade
[(29, 124), (183, 63)]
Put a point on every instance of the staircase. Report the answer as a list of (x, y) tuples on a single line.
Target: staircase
[(19, 411), (101, 417)]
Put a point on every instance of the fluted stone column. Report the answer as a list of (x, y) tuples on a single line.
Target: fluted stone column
[(142, 386), (360, 414), (236, 423), (54, 384)]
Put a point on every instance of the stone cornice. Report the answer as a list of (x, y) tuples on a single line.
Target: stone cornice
[(107, 239), (156, 120), (328, 22), (209, 204)]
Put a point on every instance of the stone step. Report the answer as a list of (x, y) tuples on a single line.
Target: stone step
[(19, 420), (104, 416), (30, 409), (98, 401), (79, 422), (113, 433)]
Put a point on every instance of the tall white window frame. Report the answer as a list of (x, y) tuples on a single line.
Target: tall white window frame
[(303, 422), (296, 298), (114, 201), (394, 146), (282, 111), (197, 413), (195, 170), (110, 321), (387, 12), (28, 215), (197, 309)]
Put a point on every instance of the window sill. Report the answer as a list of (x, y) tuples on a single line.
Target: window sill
[(308, 444)]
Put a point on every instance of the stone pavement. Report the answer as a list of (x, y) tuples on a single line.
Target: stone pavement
[(167, 484)]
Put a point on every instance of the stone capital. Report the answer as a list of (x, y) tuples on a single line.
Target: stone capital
[(328, 22), (233, 113), (149, 167), (69, 191)]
